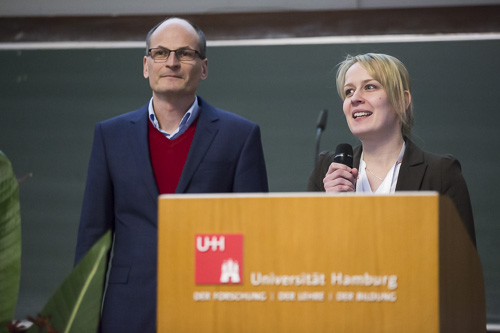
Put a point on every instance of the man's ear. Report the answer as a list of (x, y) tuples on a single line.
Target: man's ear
[(145, 68), (204, 69)]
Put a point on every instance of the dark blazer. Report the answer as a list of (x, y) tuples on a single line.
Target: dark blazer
[(121, 194), (420, 171)]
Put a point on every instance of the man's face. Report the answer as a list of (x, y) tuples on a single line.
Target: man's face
[(173, 78)]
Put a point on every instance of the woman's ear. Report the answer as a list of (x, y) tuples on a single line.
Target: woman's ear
[(407, 99)]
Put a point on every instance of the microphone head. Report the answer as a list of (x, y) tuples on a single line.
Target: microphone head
[(343, 154), (323, 116)]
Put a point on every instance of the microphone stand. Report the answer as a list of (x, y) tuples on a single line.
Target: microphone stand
[(320, 127)]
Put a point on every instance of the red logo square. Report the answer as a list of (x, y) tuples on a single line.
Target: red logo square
[(219, 259)]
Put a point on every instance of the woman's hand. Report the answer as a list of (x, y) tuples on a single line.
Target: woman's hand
[(340, 178)]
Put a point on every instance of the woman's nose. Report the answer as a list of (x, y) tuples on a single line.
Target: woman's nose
[(357, 96)]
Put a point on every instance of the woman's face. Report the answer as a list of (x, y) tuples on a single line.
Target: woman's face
[(367, 109)]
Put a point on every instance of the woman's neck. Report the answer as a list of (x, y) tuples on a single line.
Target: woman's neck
[(379, 158), (381, 155)]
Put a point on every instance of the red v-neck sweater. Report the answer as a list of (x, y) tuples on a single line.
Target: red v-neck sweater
[(168, 157)]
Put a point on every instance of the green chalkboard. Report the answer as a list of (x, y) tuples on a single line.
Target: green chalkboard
[(51, 99)]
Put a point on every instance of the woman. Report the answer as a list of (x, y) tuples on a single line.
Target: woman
[(377, 105)]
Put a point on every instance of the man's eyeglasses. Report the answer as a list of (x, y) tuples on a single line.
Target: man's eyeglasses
[(160, 54)]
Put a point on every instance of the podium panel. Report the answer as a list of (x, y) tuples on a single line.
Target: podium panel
[(316, 263)]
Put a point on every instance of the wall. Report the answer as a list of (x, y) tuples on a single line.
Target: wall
[(132, 7), (51, 100)]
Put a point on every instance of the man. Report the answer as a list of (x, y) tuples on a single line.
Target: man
[(177, 143)]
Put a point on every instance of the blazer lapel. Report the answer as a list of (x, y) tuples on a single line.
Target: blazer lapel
[(412, 169), (357, 156), (139, 143), (206, 130)]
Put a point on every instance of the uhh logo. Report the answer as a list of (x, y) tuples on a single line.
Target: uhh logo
[(218, 259)]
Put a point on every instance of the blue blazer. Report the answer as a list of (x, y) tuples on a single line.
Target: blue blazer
[(121, 194)]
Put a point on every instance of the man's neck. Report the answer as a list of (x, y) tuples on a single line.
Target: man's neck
[(169, 111)]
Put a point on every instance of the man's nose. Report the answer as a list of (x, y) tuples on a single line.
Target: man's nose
[(172, 59)]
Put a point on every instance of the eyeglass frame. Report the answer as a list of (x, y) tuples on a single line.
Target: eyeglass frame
[(196, 52)]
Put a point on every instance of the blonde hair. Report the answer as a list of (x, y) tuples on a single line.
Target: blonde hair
[(392, 75)]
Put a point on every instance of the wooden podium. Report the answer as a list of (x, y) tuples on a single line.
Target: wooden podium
[(304, 262)]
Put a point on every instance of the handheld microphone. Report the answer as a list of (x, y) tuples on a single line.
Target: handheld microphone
[(320, 127), (343, 154)]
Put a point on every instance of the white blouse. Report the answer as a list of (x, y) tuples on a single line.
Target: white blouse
[(388, 186)]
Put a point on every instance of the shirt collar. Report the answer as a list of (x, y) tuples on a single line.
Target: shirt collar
[(186, 121), (389, 183)]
